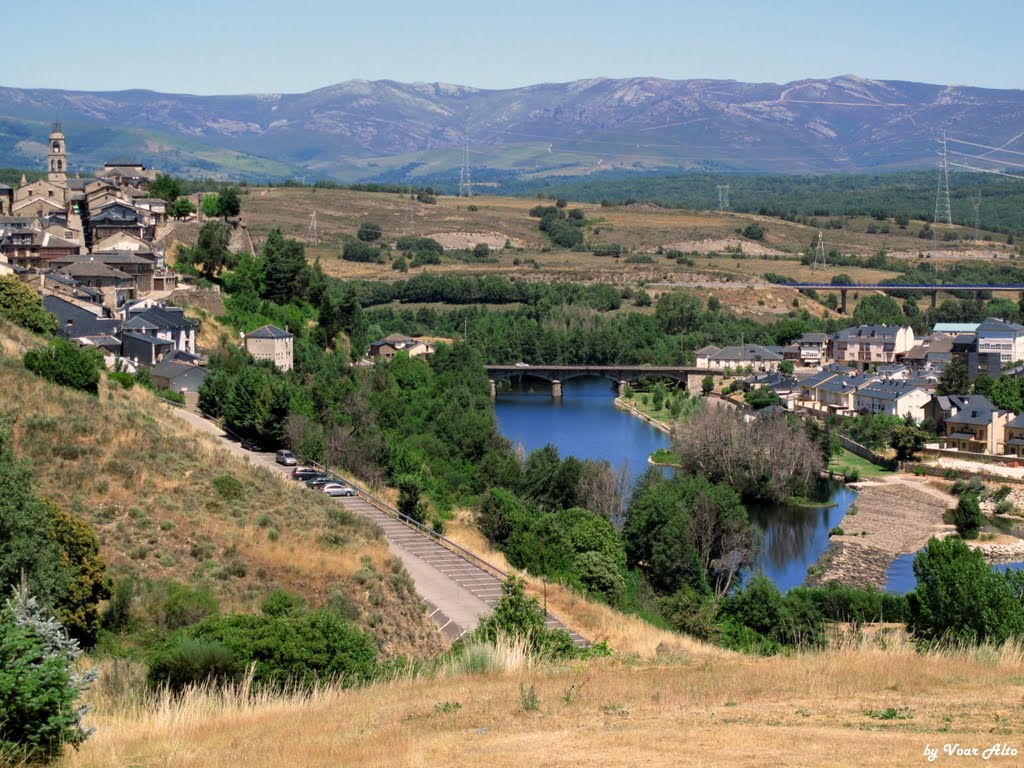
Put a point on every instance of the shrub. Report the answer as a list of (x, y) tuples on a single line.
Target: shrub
[(599, 574), (189, 661), (294, 648), (228, 487), (967, 516), (20, 304), (368, 232), (518, 615), (606, 249), (960, 598), (357, 250), (64, 363), (184, 606), (39, 687), (125, 379), (753, 232)]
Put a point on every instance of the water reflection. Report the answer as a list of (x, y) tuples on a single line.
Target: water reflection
[(900, 579), (586, 424), (795, 537)]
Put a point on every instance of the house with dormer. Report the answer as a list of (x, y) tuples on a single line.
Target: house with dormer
[(893, 398), (838, 393), (166, 323), (978, 428)]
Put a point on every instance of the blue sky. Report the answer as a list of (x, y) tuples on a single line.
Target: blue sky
[(287, 46)]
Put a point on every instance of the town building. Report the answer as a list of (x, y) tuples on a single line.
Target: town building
[(271, 343), (893, 398), (868, 345), (979, 428), (388, 347)]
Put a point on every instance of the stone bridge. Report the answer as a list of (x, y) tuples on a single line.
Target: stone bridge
[(690, 377)]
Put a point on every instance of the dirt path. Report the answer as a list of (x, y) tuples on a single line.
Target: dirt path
[(893, 517)]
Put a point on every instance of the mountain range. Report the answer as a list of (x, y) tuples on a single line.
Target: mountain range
[(388, 131)]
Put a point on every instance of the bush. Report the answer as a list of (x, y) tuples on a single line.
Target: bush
[(967, 517), (39, 687), (183, 606), (292, 648), (606, 249), (357, 250), (64, 363), (753, 232), (368, 232), (228, 487), (125, 379), (518, 615), (189, 661), (20, 304), (600, 575), (960, 598)]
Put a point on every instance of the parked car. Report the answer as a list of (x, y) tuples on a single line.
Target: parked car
[(304, 473), (287, 458), (338, 489), (250, 444), (319, 481)]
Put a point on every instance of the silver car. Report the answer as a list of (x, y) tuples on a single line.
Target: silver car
[(338, 489)]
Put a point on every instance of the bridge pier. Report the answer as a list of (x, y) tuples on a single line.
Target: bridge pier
[(935, 298), (494, 389), (842, 301), (622, 389), (556, 389)]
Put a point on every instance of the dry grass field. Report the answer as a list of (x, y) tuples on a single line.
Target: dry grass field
[(638, 229), (169, 503), (869, 704)]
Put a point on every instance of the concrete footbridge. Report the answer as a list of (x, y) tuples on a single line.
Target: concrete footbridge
[(622, 375), (931, 289)]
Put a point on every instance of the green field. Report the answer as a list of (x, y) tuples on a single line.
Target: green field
[(845, 462)]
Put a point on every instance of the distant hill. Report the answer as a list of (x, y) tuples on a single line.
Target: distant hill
[(385, 131)]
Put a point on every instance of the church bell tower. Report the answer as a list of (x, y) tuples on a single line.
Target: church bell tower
[(57, 170)]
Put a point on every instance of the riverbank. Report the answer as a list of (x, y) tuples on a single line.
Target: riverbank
[(624, 404), (891, 517)]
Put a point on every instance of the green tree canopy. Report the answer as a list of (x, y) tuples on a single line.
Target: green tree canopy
[(165, 187), (368, 232), (229, 203), (285, 272), (64, 363), (879, 309), (960, 598), (211, 252), (23, 306), (953, 380)]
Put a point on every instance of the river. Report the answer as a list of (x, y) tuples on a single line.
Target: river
[(586, 424)]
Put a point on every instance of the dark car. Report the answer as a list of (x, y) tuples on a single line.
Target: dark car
[(304, 473), (251, 444), (287, 458), (319, 481)]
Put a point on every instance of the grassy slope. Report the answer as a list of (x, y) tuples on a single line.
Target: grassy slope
[(846, 461), (143, 479), (859, 706), (640, 227)]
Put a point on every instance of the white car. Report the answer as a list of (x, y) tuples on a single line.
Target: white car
[(338, 489)]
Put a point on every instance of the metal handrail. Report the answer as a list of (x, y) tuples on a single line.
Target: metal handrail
[(430, 533)]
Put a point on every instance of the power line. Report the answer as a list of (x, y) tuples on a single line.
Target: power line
[(942, 193), (465, 185), (410, 215), (976, 203), (986, 170), (986, 146), (311, 234), (723, 197), (819, 253)]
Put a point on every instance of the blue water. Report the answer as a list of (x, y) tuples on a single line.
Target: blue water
[(899, 579), (795, 537), (586, 424)]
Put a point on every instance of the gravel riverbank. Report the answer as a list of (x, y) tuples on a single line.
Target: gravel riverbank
[(890, 517)]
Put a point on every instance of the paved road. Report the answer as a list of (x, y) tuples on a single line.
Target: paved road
[(457, 591)]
